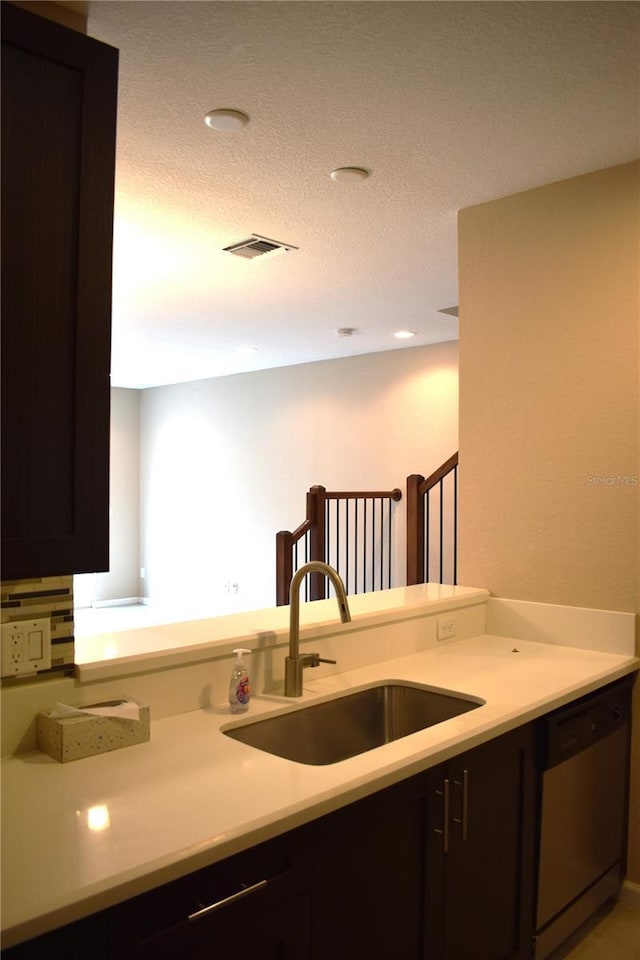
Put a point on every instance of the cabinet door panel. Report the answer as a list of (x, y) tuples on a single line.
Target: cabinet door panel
[(436, 852), (480, 890), (481, 909), (368, 888), (59, 91)]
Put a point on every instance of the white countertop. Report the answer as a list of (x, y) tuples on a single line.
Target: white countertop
[(126, 652), (191, 796)]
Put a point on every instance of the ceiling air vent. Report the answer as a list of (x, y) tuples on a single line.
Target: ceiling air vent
[(451, 311), (256, 246)]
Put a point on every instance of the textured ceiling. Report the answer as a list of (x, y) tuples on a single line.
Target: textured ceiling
[(448, 104)]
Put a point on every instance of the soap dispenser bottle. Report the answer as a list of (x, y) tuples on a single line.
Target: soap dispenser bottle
[(239, 688)]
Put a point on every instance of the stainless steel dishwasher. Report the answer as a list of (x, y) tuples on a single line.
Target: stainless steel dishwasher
[(583, 808)]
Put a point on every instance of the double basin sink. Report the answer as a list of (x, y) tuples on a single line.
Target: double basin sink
[(354, 723)]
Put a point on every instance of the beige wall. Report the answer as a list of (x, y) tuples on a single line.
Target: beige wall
[(122, 578), (549, 425), (225, 463)]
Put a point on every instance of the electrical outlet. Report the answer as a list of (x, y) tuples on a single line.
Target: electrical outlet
[(26, 647), (446, 628)]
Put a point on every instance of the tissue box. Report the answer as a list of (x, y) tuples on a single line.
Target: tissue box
[(74, 737)]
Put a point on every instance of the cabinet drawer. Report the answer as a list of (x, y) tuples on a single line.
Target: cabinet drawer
[(265, 888)]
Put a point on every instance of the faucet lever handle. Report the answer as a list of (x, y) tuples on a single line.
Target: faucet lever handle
[(322, 660)]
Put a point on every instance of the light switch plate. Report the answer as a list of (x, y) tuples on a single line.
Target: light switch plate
[(26, 647)]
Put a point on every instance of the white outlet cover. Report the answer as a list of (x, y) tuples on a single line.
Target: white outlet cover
[(446, 628), (26, 647)]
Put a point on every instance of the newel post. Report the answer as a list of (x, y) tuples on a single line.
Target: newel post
[(415, 530), (315, 514), (284, 566)]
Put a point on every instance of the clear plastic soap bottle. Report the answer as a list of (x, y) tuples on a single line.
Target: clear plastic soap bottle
[(239, 688)]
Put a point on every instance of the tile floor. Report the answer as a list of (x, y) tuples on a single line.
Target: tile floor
[(616, 936)]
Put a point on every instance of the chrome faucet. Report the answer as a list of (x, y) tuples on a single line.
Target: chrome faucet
[(295, 663)]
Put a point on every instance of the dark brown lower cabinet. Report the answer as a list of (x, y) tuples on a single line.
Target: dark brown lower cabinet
[(279, 931), (368, 877), (259, 901), (480, 852), (86, 939), (437, 867)]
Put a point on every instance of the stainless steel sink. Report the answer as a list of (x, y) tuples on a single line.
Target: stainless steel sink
[(354, 723)]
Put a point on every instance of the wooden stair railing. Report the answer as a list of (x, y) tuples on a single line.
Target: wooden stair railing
[(351, 537), (426, 536)]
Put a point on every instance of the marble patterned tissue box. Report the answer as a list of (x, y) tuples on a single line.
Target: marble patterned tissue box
[(85, 735)]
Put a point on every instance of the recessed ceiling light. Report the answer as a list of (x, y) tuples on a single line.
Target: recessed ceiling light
[(247, 350), (226, 120), (404, 334), (350, 174)]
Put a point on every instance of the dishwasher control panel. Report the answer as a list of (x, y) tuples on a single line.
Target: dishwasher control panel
[(577, 726)]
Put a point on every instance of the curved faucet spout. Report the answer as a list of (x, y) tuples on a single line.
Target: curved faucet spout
[(294, 663)]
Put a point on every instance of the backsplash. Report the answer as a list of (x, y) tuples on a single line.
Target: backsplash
[(37, 597)]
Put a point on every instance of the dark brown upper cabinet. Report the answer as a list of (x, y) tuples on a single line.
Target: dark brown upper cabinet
[(59, 98)]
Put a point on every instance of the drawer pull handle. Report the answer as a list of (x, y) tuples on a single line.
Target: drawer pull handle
[(245, 892)]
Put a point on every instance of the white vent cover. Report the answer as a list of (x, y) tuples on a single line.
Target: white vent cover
[(257, 246)]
